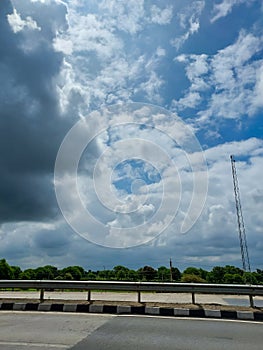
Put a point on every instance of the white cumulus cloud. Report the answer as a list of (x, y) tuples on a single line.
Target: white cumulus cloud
[(189, 21), (229, 82), (18, 24), (225, 7), (161, 16)]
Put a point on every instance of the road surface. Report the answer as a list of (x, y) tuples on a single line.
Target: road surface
[(42, 331)]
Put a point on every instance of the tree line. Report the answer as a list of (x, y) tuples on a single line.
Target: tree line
[(218, 274)]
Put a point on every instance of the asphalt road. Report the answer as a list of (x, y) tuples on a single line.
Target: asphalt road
[(39, 331)]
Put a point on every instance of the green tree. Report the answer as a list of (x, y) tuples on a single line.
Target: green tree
[(121, 275), (203, 274), (28, 274), (176, 274), (77, 272), (120, 268), (190, 278), (259, 276), (163, 274), (90, 276), (16, 271), (102, 275), (59, 277), (120, 272), (46, 272), (250, 277), (105, 275), (6, 272), (233, 278), (230, 269), (133, 276), (147, 273), (68, 276), (216, 275), (192, 271)]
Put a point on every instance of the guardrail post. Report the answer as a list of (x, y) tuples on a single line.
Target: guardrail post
[(89, 295), (139, 296), (42, 294), (193, 298), (251, 300)]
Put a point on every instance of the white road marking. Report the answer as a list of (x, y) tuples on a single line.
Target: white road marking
[(188, 318), (55, 346)]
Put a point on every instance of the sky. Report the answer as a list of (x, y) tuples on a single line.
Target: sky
[(117, 123)]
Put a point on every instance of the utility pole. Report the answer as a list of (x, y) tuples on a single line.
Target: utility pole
[(240, 220), (171, 270)]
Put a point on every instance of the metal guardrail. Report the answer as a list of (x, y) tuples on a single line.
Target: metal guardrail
[(193, 288)]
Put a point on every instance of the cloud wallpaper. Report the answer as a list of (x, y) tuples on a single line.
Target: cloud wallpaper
[(117, 123)]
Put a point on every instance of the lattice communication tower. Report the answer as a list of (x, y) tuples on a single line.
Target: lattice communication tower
[(240, 220)]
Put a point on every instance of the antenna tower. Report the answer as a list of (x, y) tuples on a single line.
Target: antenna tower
[(240, 221)]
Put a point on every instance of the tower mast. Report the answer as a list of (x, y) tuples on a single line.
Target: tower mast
[(240, 220)]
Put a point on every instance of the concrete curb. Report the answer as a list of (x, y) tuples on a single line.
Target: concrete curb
[(134, 310)]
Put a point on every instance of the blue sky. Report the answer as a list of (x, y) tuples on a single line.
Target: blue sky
[(150, 98)]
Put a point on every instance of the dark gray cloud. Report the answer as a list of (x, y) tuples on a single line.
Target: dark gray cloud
[(53, 242), (31, 125), (113, 52)]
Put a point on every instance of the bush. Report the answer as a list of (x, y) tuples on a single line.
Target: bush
[(189, 278)]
